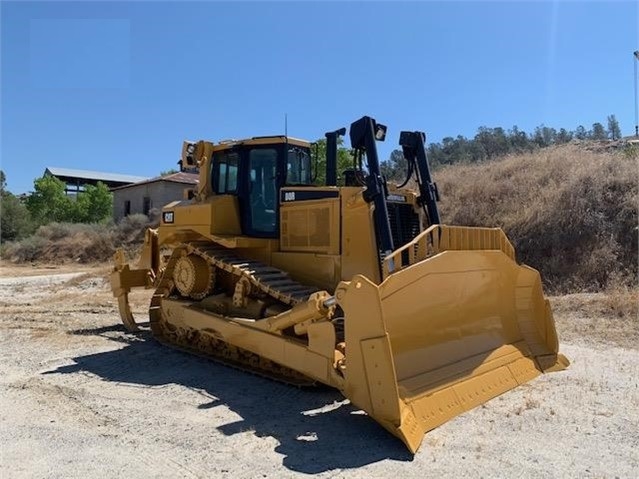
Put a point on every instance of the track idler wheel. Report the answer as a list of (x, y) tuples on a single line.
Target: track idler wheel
[(193, 276)]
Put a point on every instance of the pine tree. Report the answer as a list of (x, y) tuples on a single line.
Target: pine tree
[(598, 132), (614, 131)]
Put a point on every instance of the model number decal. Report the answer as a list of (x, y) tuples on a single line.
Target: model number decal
[(288, 196), (167, 217)]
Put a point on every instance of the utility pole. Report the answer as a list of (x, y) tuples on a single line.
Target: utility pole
[(636, 55)]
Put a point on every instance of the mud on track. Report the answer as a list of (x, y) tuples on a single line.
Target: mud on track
[(79, 396)]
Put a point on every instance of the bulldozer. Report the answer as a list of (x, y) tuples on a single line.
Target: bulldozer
[(358, 286)]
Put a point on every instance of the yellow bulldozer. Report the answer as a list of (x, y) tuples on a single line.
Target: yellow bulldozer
[(357, 286)]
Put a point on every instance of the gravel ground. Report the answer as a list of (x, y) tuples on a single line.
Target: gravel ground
[(80, 397)]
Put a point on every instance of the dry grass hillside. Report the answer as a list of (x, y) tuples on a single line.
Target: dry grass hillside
[(570, 211)]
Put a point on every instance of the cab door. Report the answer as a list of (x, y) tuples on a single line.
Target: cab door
[(261, 204)]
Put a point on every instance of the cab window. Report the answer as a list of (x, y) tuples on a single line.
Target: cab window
[(224, 174), (298, 167)]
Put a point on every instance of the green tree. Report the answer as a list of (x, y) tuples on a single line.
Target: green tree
[(395, 167), (458, 149), (581, 133), (15, 221), (318, 160), (544, 136), (436, 156), (493, 141), (518, 140), (614, 131), (94, 204), (549, 134), (598, 132), (478, 151), (564, 136), (49, 202), (168, 172)]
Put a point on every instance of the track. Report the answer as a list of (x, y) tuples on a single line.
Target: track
[(266, 279), (271, 281)]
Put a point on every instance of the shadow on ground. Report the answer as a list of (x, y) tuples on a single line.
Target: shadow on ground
[(317, 429)]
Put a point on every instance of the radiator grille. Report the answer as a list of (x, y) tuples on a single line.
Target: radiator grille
[(404, 222)]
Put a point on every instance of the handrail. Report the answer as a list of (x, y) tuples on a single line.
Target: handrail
[(439, 238)]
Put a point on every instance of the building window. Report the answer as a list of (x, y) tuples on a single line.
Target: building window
[(146, 205), (127, 208)]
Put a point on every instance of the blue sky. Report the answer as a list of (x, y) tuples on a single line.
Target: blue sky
[(116, 87)]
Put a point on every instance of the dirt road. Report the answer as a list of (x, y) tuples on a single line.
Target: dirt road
[(82, 398)]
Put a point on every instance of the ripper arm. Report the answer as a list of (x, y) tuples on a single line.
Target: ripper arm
[(123, 278)]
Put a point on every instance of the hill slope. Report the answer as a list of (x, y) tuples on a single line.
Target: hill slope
[(570, 211)]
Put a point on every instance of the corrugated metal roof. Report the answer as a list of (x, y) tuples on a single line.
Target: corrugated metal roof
[(95, 175)]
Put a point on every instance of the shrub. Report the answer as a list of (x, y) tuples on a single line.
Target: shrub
[(15, 220), (28, 250), (83, 243)]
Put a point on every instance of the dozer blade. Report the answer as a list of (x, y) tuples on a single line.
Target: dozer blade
[(443, 336)]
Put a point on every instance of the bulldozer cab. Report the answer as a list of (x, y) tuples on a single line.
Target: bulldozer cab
[(254, 171)]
